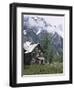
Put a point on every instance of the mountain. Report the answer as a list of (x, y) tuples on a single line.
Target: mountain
[(57, 43), (36, 29), (38, 24), (31, 36)]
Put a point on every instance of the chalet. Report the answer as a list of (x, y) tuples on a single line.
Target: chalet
[(33, 54)]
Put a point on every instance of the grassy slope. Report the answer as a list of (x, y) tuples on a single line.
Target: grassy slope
[(43, 69)]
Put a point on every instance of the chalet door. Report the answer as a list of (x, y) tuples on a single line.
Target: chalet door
[(41, 61)]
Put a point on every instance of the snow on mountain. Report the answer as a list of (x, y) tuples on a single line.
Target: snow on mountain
[(24, 32), (41, 24), (38, 31)]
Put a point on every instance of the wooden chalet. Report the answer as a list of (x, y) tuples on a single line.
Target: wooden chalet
[(33, 54)]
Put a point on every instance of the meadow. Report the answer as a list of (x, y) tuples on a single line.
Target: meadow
[(53, 68)]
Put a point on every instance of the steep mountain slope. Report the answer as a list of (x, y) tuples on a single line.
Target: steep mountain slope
[(36, 29)]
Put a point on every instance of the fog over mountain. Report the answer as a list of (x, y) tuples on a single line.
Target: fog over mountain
[(36, 28)]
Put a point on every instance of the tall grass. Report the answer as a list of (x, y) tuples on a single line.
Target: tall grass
[(43, 69)]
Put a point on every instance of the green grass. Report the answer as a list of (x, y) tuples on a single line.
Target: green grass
[(43, 69)]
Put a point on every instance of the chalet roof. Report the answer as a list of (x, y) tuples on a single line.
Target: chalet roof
[(29, 47)]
